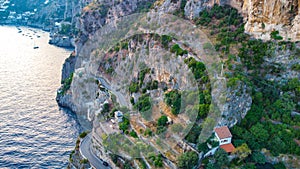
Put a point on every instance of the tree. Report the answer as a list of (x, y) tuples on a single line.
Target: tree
[(260, 133), (221, 158), (242, 151), (188, 160), (203, 147), (162, 121), (249, 166), (279, 165), (258, 157)]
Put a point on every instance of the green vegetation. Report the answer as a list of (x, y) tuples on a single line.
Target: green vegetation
[(83, 134), (133, 134), (124, 125), (142, 75), (84, 161), (66, 29), (173, 99), (188, 160), (177, 50), (156, 160), (165, 40), (180, 12), (134, 87), (296, 67), (225, 23), (198, 69), (148, 132), (275, 35), (143, 104), (66, 84), (161, 124), (105, 108), (269, 123), (144, 6), (194, 133), (162, 121)]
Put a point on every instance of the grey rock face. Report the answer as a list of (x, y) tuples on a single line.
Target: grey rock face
[(237, 105)]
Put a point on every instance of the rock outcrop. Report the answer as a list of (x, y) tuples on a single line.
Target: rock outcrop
[(262, 17)]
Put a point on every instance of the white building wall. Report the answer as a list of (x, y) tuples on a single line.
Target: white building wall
[(225, 141)]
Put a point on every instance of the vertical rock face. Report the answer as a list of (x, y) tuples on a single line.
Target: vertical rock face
[(261, 16), (265, 16), (193, 7)]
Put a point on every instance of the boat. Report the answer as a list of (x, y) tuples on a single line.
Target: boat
[(35, 46)]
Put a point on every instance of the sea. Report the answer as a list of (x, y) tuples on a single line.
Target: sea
[(34, 131)]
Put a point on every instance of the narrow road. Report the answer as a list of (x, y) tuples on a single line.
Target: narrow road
[(119, 95), (86, 152)]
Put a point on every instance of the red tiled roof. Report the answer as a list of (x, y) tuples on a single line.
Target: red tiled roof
[(223, 132), (228, 147)]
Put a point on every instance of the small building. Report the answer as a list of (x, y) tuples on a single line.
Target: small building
[(118, 116), (224, 137)]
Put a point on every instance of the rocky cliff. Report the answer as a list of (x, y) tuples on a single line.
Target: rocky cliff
[(86, 97), (262, 17)]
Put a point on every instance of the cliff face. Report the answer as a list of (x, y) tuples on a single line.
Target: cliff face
[(262, 17), (265, 16)]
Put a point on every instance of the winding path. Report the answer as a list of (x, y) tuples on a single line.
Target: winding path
[(86, 152)]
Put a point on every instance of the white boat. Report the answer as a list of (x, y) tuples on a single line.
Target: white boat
[(35, 46)]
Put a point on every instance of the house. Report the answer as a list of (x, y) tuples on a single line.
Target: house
[(224, 137), (118, 116)]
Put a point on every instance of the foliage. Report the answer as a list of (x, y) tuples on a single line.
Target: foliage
[(133, 87), (105, 108), (203, 147), (165, 40), (258, 157), (83, 134), (124, 125), (162, 121), (221, 158), (242, 151), (187, 160), (67, 84), (194, 133), (173, 99), (296, 67), (144, 103), (148, 132), (142, 75), (279, 165), (275, 35), (133, 134), (156, 160), (65, 29), (198, 68), (177, 50), (84, 161)]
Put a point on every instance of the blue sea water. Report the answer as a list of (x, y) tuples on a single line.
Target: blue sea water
[(34, 131)]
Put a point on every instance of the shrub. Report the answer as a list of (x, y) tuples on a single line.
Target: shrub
[(177, 50), (144, 103), (275, 35), (187, 160), (133, 134), (133, 87), (124, 125), (84, 161), (173, 99), (162, 121), (83, 134)]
